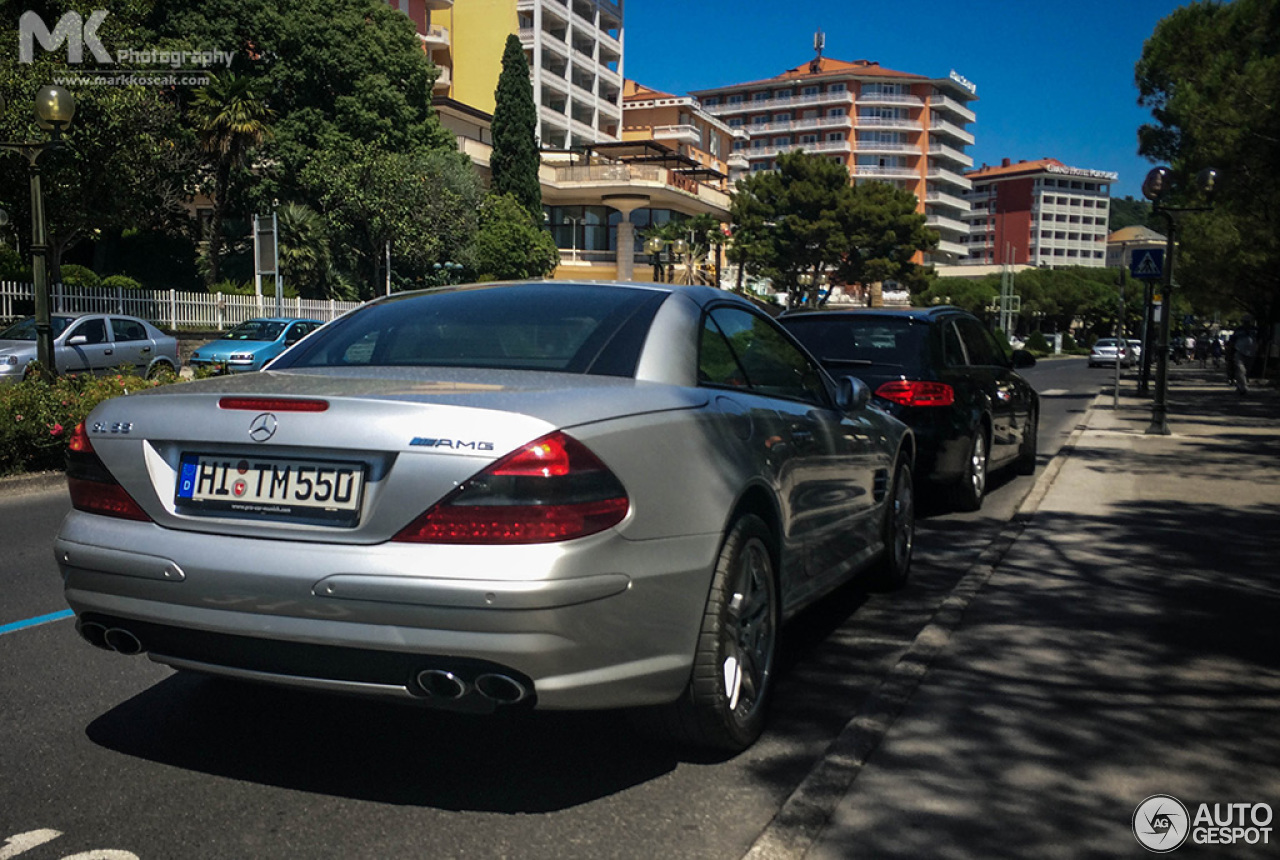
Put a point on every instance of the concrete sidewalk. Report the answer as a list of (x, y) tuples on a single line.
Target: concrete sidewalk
[(1122, 643)]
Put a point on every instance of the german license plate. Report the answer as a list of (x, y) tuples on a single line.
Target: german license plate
[(305, 490)]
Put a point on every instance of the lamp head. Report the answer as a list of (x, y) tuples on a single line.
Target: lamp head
[(653, 244), (55, 107), (1207, 181), (1158, 182), (4, 218)]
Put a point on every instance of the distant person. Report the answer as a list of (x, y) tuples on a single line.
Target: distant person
[(1215, 351), (1202, 349), (1243, 348)]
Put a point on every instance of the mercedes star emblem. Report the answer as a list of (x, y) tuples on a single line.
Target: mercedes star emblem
[(263, 427)]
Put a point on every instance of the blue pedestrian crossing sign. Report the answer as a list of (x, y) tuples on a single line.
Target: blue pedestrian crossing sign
[(1148, 264)]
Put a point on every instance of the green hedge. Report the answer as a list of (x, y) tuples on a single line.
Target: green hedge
[(37, 417)]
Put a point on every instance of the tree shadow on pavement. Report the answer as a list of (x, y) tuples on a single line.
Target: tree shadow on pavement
[(1109, 659)]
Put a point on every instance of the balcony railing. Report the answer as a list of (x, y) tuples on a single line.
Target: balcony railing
[(435, 37), (944, 151), (865, 98), (948, 103), (877, 172), (942, 126), (819, 146), (877, 146), (887, 122), (686, 133), (944, 223), (944, 175), (941, 198), (779, 104)]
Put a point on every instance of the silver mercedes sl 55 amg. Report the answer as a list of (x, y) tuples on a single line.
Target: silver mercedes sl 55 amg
[(552, 495)]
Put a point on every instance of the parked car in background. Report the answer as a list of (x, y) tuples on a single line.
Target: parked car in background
[(253, 343), (90, 343), (551, 495), (942, 372), (1104, 352)]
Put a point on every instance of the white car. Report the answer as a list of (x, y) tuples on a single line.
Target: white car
[(1103, 353)]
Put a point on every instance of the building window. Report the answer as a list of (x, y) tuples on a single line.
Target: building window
[(785, 116), (809, 91), (837, 112), (761, 119), (785, 140), (782, 94), (835, 136), (711, 101), (836, 88), (735, 99), (736, 122), (760, 97), (808, 138)]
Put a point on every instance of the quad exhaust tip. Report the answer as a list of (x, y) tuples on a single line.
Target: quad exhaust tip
[(501, 689), (441, 684)]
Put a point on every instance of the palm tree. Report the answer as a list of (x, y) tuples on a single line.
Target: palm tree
[(304, 249), (230, 120)]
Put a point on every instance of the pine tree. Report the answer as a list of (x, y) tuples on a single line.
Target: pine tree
[(515, 146)]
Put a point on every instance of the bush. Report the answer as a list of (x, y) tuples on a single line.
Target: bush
[(79, 276), (117, 282), (1038, 344), (12, 266), (1069, 343), (37, 417)]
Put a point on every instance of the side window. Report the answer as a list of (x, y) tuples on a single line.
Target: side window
[(717, 364), (978, 342), (773, 366), (94, 331), (125, 330), (952, 352)]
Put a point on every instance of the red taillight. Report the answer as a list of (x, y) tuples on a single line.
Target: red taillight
[(916, 393), (110, 500), (273, 404), (553, 489), (79, 441), (93, 489)]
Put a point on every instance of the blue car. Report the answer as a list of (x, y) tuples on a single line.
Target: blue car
[(253, 343)]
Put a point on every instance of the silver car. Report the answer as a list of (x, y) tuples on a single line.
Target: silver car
[(90, 343), (551, 495)]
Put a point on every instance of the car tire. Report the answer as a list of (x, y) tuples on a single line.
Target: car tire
[(160, 367), (897, 532), (1027, 455), (968, 492), (723, 707)]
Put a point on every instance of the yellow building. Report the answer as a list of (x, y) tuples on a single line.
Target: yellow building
[(598, 191)]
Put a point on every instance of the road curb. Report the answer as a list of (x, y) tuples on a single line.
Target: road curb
[(806, 812), (34, 482)]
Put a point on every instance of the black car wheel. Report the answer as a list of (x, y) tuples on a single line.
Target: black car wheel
[(723, 706), (898, 532), (1027, 454), (972, 486)]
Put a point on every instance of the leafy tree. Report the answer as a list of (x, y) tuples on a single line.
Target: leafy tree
[(700, 235), (511, 244), (124, 161), (424, 203), (884, 232), (515, 157), (1131, 212), (231, 119), (1210, 73)]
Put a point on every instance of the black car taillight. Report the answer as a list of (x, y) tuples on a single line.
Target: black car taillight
[(553, 489), (917, 393), (92, 487)]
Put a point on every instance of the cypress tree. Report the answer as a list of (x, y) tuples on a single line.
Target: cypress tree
[(515, 121)]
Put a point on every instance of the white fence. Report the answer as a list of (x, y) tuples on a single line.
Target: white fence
[(166, 308)]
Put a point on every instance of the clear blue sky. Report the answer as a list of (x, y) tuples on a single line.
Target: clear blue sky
[(1054, 79)]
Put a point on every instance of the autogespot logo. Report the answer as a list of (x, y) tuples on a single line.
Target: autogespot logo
[(1160, 823)]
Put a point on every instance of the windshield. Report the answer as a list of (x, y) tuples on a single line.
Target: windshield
[(574, 328), (265, 330), (26, 329)]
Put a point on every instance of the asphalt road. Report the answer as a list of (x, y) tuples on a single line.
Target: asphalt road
[(125, 758)]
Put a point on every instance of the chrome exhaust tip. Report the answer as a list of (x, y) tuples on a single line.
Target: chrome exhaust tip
[(93, 633), (441, 684), (501, 689), (121, 640)]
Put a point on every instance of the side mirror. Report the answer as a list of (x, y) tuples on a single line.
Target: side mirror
[(852, 393), (77, 340), (1022, 358)]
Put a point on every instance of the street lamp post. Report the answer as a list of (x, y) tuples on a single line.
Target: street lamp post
[(54, 109), (1156, 187), (654, 246)]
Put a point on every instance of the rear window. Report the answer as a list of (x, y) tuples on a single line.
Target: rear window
[(572, 328), (848, 342)]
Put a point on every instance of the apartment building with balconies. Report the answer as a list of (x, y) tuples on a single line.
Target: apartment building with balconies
[(680, 123), (884, 126), (1037, 213)]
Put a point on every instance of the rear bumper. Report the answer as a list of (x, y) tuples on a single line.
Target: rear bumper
[(602, 622)]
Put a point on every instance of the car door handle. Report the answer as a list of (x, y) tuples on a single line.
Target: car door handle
[(108, 351), (801, 437), (146, 349)]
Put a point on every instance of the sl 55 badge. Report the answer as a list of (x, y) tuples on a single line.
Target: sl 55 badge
[(121, 427)]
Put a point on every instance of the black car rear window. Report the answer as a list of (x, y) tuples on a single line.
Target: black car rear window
[(849, 342), (572, 328)]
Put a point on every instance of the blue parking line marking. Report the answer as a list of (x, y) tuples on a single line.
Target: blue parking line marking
[(32, 622)]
